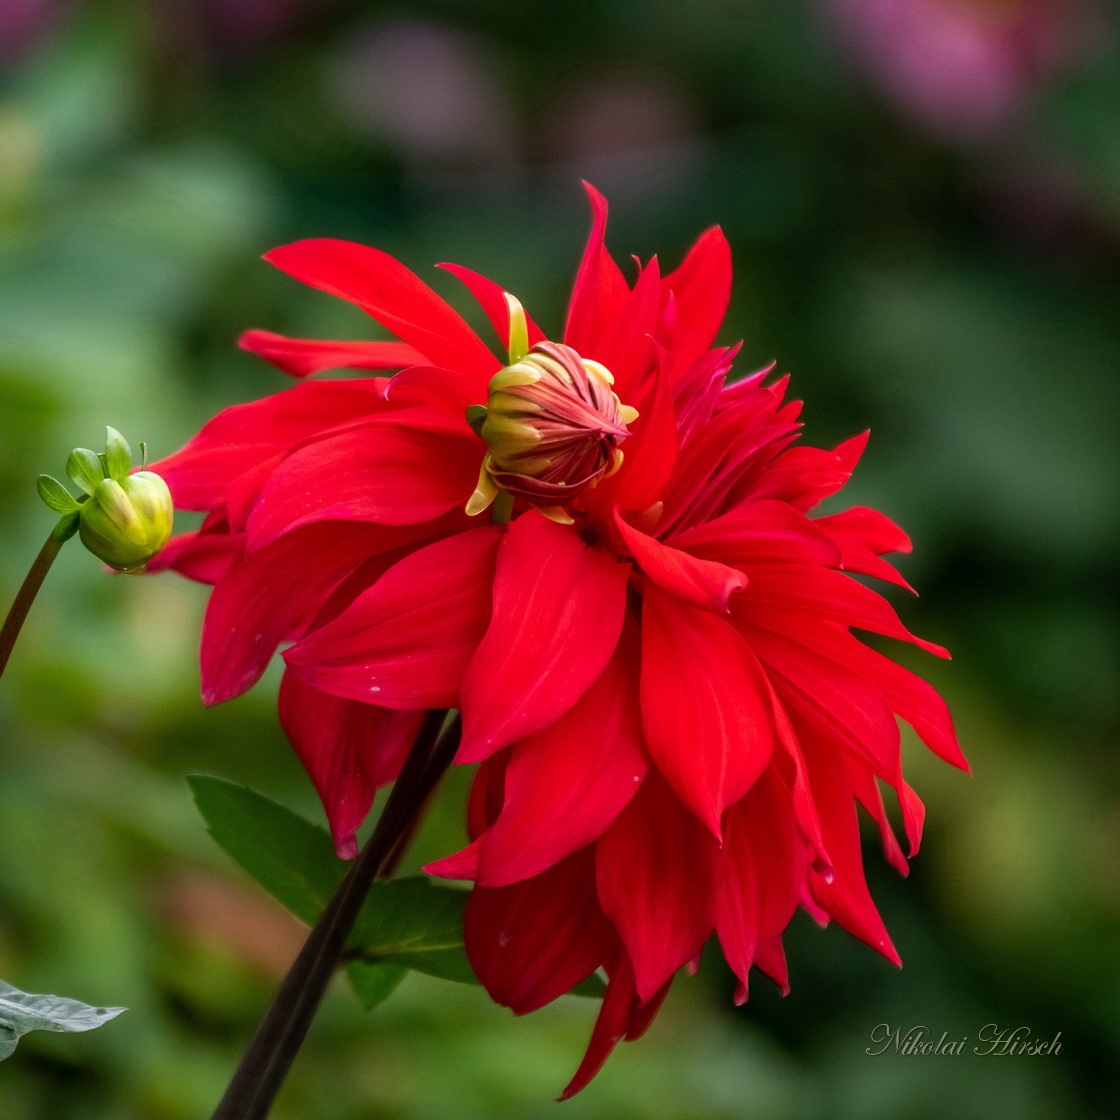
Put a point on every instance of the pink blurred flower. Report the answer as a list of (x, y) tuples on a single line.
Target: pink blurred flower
[(962, 68)]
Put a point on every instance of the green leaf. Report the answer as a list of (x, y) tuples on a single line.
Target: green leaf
[(411, 915), (291, 858), (374, 983), (21, 1012), (593, 987), (55, 494), (118, 455), (411, 923), (84, 467), (447, 964)]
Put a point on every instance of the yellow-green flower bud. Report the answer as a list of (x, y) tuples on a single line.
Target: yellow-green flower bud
[(127, 523), (122, 518)]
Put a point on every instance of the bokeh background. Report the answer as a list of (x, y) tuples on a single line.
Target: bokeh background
[(923, 197)]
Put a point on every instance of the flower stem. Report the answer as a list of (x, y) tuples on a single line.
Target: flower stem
[(13, 624), (285, 1025)]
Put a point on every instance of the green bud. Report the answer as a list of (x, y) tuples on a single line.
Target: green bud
[(127, 523), (122, 518)]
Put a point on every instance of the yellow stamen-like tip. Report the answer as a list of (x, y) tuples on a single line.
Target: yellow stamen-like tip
[(518, 329), (484, 493)]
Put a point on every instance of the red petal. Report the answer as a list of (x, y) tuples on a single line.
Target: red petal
[(565, 784), (701, 289), (864, 535), (303, 356), (449, 391), (611, 1026), (273, 593), (384, 471), (650, 453), (870, 796), (491, 298), (240, 437), (912, 698), (406, 641), (202, 556), (396, 297), (558, 609), (702, 583), (794, 593), (705, 706), (841, 703), (349, 750), (532, 941), (600, 290), (762, 874), (846, 897), (625, 343), (760, 531), (656, 868)]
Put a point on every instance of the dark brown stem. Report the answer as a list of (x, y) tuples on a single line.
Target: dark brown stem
[(13, 624), (285, 1025)]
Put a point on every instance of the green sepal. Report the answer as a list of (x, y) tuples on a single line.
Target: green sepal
[(476, 417), (67, 526), (117, 459), (55, 494), (84, 467)]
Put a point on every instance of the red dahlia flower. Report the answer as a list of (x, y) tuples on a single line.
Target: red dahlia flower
[(651, 645)]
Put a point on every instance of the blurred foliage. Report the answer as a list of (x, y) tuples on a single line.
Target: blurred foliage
[(958, 297)]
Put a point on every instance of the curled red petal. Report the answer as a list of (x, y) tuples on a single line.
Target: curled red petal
[(532, 941), (244, 435), (349, 749), (302, 357), (559, 604), (387, 471), (491, 298), (274, 593), (405, 641), (705, 706), (394, 295), (702, 583), (795, 596), (565, 784), (845, 897), (657, 872), (599, 290), (762, 874), (201, 556), (701, 289), (757, 532)]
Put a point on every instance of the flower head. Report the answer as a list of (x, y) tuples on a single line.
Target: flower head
[(674, 721)]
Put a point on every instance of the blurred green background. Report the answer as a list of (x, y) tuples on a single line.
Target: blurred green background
[(930, 253)]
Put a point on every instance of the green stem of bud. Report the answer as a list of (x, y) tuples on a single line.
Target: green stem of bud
[(13, 624), (282, 1031), (502, 509)]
